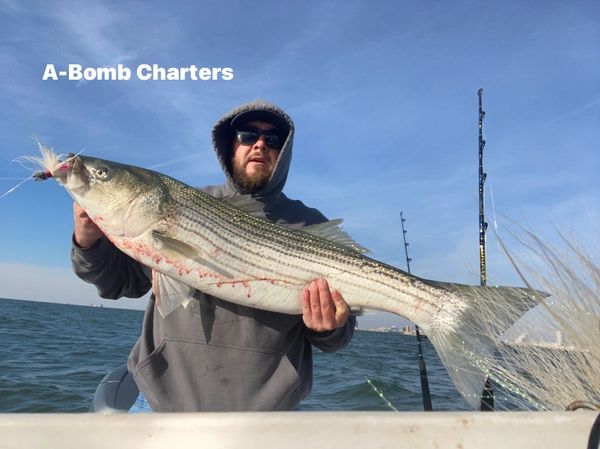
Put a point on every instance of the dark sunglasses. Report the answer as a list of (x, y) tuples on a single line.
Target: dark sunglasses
[(249, 136)]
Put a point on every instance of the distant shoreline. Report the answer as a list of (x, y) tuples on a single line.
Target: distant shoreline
[(107, 305), (389, 331)]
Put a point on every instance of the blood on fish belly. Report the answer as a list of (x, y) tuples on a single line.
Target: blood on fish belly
[(246, 283), (233, 284), (139, 250)]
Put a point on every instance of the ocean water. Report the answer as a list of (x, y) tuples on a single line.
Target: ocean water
[(52, 357)]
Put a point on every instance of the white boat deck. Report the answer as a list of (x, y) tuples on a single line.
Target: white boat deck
[(299, 430)]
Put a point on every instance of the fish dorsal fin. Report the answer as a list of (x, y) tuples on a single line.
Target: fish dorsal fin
[(331, 230), (246, 204), (239, 201)]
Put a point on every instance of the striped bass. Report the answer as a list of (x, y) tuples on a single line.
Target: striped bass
[(191, 241)]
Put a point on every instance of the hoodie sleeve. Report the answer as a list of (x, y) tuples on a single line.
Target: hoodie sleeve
[(112, 272), (331, 341)]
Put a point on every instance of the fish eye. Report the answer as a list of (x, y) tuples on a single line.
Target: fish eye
[(101, 172)]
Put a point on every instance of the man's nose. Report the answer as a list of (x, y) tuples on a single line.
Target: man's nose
[(260, 143)]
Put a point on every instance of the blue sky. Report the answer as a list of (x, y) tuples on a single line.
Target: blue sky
[(383, 95)]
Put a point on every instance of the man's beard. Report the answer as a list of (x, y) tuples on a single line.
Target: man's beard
[(249, 184)]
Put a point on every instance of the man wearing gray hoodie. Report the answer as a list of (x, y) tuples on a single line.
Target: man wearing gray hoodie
[(214, 355)]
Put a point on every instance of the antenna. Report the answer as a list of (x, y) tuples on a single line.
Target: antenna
[(422, 368)]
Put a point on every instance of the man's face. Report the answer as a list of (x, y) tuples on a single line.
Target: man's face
[(253, 164)]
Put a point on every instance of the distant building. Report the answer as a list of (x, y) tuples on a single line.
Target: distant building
[(409, 330)]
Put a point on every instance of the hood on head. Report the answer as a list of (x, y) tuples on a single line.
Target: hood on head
[(223, 135)]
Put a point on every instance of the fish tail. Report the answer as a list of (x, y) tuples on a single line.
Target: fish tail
[(467, 341), (467, 360)]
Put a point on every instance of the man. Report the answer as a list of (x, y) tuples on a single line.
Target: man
[(214, 355)]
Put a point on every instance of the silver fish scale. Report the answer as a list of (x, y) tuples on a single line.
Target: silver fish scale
[(254, 248)]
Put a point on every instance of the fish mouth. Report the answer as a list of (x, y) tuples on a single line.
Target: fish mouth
[(62, 168), (78, 176), (70, 172)]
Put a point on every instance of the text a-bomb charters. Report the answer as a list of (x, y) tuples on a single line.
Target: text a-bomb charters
[(143, 72)]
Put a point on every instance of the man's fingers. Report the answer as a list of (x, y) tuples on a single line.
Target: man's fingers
[(306, 312), (86, 232), (80, 213), (327, 305), (323, 309), (78, 209), (315, 303), (342, 311)]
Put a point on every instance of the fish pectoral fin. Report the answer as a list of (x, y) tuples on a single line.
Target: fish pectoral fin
[(169, 244), (170, 293), (332, 230), (178, 249)]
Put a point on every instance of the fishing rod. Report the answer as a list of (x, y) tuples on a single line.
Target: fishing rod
[(487, 396), (422, 368), (482, 178)]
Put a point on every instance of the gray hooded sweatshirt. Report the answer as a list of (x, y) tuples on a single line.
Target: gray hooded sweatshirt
[(215, 355)]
